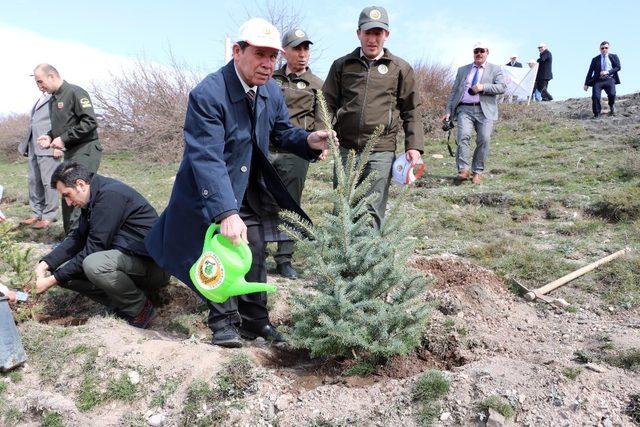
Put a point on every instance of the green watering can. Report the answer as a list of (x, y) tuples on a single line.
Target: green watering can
[(219, 272)]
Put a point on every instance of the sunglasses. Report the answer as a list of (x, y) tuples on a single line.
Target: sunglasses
[(479, 50), (540, 47), (604, 48)]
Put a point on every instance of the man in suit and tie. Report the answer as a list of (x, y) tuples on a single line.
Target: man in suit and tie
[(232, 115), (603, 74), (473, 104), (513, 62), (545, 73), (43, 200)]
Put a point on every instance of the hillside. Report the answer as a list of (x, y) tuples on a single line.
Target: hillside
[(562, 191)]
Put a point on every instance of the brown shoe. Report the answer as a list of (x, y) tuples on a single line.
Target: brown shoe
[(30, 221), (463, 175), (477, 178), (43, 223)]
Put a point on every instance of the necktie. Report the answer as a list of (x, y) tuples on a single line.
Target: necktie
[(474, 80), (603, 66), (251, 99)]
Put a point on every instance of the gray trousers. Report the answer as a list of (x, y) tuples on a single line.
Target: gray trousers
[(293, 172), (470, 118), (43, 199), (380, 163), (119, 281), (87, 155)]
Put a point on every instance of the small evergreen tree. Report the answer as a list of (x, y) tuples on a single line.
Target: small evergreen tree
[(363, 301)]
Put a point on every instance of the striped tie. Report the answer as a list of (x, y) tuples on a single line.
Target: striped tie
[(251, 95)]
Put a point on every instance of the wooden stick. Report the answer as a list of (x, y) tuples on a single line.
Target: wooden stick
[(530, 296)]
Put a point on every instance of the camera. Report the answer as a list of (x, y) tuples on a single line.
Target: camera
[(447, 125)]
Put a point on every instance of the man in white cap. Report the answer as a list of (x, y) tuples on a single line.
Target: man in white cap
[(473, 104), (545, 73), (371, 87), (513, 61), (232, 116)]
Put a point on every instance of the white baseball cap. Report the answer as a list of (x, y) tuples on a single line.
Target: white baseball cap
[(260, 33), (480, 45), (542, 44)]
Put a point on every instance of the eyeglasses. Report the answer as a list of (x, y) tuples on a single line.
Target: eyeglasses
[(604, 48), (479, 50)]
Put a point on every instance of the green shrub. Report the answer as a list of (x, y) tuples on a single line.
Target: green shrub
[(498, 404)]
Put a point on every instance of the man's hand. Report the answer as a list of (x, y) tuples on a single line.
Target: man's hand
[(44, 141), (323, 155), (57, 143), (477, 88), (44, 283), (57, 153), (413, 156), (234, 229), (319, 140), (11, 295), (41, 270), (585, 87)]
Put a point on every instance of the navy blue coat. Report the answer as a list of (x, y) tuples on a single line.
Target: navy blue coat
[(214, 172), (544, 70), (596, 66)]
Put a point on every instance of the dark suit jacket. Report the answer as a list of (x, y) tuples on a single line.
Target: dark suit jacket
[(517, 64), (214, 173), (544, 69), (594, 69)]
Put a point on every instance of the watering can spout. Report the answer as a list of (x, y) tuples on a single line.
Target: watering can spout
[(252, 287)]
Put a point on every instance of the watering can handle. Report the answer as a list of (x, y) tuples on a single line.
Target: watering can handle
[(212, 229), (243, 247)]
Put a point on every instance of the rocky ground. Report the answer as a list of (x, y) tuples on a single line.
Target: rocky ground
[(555, 366)]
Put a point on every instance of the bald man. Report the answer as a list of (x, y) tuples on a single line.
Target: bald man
[(74, 128)]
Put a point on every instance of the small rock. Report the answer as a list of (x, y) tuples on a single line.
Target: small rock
[(595, 368), (283, 402), (495, 419), (134, 377), (445, 416), (437, 156), (156, 420)]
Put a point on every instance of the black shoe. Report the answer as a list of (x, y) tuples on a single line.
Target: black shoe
[(268, 332), (286, 270), (612, 111), (227, 336), (146, 316), (596, 116)]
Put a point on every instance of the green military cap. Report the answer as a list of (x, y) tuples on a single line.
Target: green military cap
[(373, 17), (295, 37)]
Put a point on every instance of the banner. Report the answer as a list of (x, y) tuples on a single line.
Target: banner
[(520, 82)]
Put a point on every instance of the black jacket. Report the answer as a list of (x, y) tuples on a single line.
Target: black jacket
[(517, 64), (544, 70), (594, 69), (116, 217), (72, 116)]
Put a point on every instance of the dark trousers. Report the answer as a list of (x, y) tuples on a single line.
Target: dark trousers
[(541, 85), (250, 308), (293, 172), (119, 281), (609, 86)]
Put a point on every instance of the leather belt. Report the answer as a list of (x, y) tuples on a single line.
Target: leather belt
[(470, 104)]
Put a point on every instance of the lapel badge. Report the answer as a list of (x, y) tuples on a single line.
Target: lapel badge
[(383, 69), (60, 105), (301, 85)]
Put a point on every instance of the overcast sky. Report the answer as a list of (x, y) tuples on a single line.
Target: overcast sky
[(87, 41)]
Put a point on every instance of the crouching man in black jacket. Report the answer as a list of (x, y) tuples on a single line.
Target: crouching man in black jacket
[(104, 258)]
